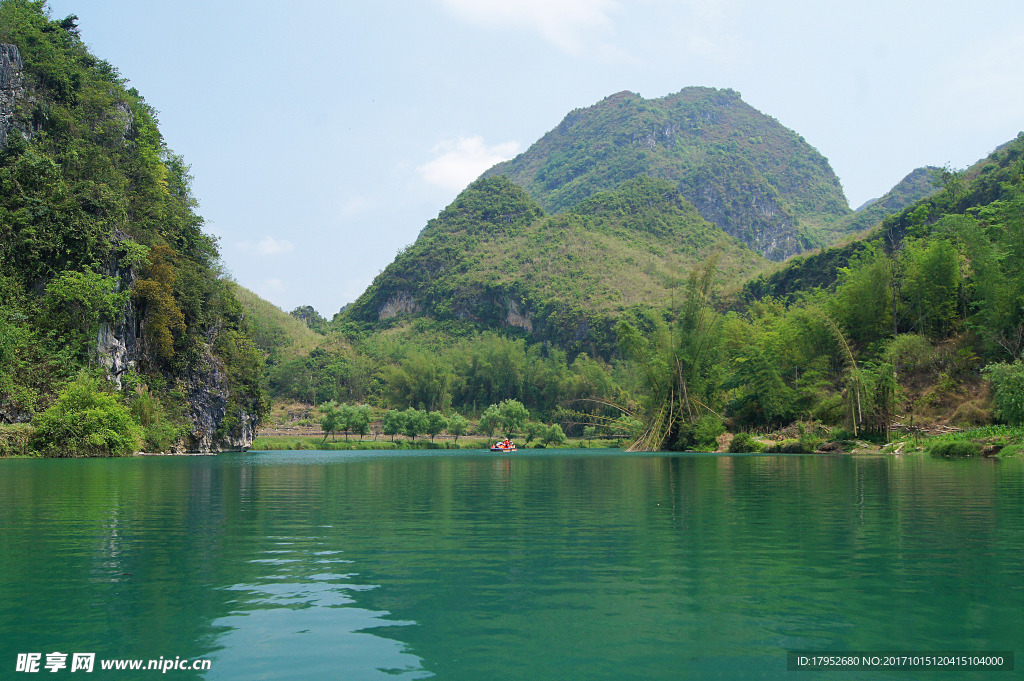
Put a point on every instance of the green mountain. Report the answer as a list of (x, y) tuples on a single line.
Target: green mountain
[(941, 192), (494, 258), (919, 184), (104, 267), (757, 180)]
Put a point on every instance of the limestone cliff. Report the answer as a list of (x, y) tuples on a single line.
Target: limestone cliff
[(103, 260), (12, 92)]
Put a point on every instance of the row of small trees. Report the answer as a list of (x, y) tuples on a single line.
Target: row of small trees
[(509, 417), (414, 422)]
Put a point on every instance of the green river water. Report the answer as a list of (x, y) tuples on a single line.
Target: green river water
[(575, 565)]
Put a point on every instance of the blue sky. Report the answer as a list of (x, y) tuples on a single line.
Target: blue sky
[(323, 135)]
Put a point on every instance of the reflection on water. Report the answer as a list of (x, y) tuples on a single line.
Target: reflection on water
[(300, 621), (326, 565)]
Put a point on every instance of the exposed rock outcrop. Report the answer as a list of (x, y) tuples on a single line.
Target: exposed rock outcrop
[(214, 429), (119, 348), (755, 179), (513, 317), (117, 345), (12, 92), (400, 303)]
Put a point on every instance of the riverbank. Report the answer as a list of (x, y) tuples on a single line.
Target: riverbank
[(276, 442)]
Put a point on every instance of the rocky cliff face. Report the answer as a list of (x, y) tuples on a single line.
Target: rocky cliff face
[(117, 345), (208, 390), (12, 92), (120, 349)]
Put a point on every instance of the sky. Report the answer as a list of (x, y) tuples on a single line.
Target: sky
[(323, 135)]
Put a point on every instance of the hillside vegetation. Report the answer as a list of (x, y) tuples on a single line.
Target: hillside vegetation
[(104, 267), (897, 328), (493, 258), (616, 313)]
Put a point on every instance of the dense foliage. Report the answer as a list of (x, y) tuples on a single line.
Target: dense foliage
[(98, 227), (86, 421), (914, 313)]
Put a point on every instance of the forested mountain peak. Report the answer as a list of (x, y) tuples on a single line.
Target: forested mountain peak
[(487, 206), (757, 180)]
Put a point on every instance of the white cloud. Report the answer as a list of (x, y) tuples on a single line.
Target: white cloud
[(268, 245), (567, 24), (461, 161)]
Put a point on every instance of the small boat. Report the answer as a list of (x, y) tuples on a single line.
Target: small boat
[(503, 446)]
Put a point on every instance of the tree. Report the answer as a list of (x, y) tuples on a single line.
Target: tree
[(554, 435), (535, 430), (489, 421), (512, 416), (332, 419), (415, 422), (359, 420), (421, 380), (435, 423), (680, 365), (80, 301), (931, 286), (1008, 385), (457, 425), (950, 180), (154, 294), (311, 317), (863, 300), (393, 423)]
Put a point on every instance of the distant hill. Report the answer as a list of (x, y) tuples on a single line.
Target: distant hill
[(920, 183), (985, 182), (494, 258), (757, 180), (277, 334)]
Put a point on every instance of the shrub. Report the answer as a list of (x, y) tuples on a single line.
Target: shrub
[(14, 439), (1008, 386), (159, 433), (958, 449), (790, 446), (706, 431), (969, 414), (743, 443), (830, 410), (809, 439), (554, 435), (85, 421)]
